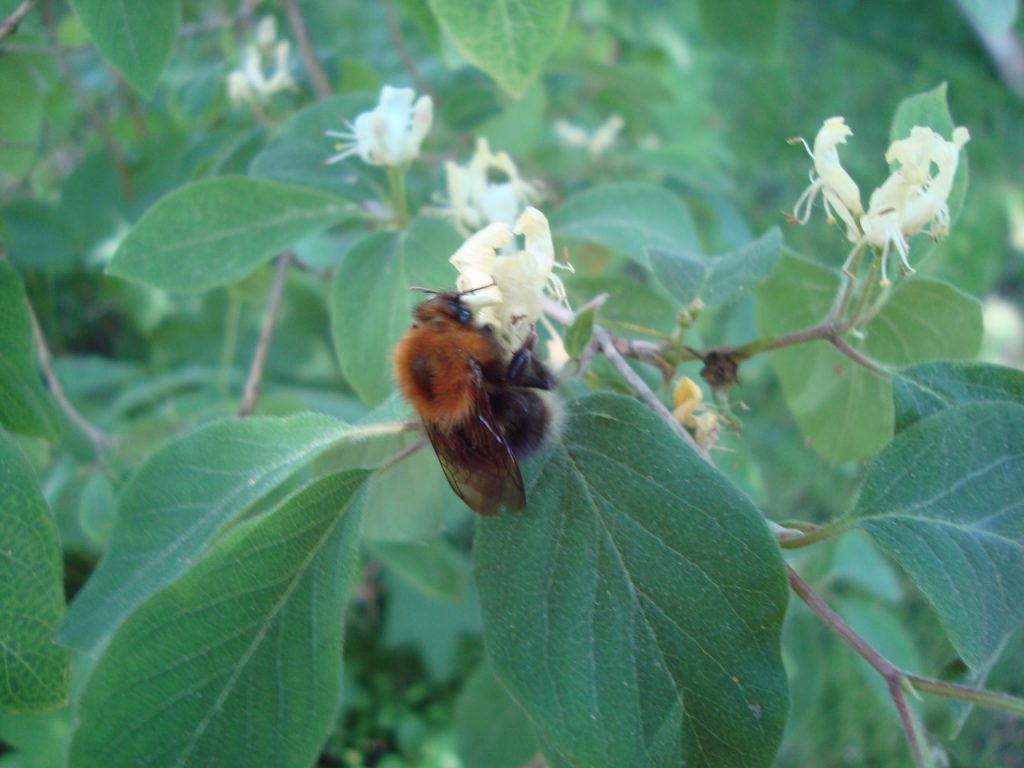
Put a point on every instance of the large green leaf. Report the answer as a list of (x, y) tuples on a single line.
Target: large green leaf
[(20, 128), (135, 36), (923, 320), (946, 500), (630, 217), (922, 390), (297, 154), (181, 498), (634, 610), (688, 275), (34, 670), (492, 731), (371, 300), (24, 406), (844, 409), (217, 231), (238, 662), (508, 39)]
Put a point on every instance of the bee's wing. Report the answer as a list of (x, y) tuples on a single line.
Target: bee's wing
[(478, 463)]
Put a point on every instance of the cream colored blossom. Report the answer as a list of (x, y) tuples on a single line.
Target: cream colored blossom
[(250, 84), (839, 191), (488, 190), (597, 143), (389, 134), (913, 200), (505, 290)]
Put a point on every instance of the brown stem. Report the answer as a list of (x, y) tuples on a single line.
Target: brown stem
[(892, 675), (317, 76), (98, 439), (395, 32), (123, 175), (10, 25), (638, 385), (252, 385)]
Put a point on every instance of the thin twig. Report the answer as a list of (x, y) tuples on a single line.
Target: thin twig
[(317, 76), (252, 385), (403, 454), (638, 385), (395, 32), (10, 25), (124, 177), (892, 675), (98, 439)]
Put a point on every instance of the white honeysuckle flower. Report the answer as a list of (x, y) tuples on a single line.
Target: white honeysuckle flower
[(249, 83), (839, 190), (597, 143), (266, 33), (477, 198), (505, 290), (913, 200), (605, 135), (389, 134)]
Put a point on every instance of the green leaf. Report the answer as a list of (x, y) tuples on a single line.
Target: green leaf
[(135, 36), (931, 109), (34, 670), (178, 502), (749, 25), (688, 275), (577, 336), (24, 406), (925, 319), (508, 39), (297, 155), (844, 409), (239, 661), (630, 218), (946, 500), (21, 127), (993, 16), (433, 567), (214, 232), (634, 610), (371, 300), (492, 731), (921, 390)]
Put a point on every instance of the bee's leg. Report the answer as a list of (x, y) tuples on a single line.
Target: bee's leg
[(525, 370)]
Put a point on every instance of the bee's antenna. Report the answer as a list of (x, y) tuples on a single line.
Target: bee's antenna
[(479, 288), (431, 291)]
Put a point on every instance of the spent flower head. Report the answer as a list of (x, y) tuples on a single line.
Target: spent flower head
[(250, 83), (488, 190), (507, 289), (390, 133)]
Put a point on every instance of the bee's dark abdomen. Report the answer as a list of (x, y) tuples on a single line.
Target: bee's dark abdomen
[(524, 417)]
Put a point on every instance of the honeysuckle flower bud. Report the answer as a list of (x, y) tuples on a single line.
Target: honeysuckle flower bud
[(389, 134), (505, 290), (249, 84), (476, 197), (686, 397), (839, 190)]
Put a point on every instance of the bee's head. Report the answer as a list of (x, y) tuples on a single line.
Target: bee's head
[(444, 308)]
